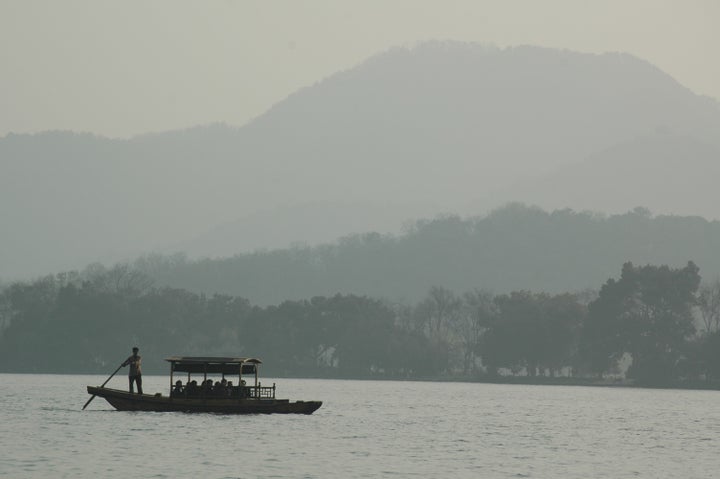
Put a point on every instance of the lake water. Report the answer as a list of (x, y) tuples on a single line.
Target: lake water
[(364, 429)]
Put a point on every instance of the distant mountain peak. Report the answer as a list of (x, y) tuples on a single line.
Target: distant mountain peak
[(438, 123)]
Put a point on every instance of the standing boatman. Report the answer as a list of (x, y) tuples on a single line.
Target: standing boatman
[(135, 372)]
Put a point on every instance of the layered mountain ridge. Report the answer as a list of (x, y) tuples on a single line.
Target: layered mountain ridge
[(441, 127)]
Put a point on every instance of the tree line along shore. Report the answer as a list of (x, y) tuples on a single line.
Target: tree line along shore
[(649, 326)]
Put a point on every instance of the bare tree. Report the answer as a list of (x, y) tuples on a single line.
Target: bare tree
[(121, 278), (437, 311), (474, 317), (708, 303)]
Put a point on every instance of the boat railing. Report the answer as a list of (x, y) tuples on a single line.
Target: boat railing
[(252, 392), (261, 392)]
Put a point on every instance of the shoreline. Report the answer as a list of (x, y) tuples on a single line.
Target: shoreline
[(509, 380)]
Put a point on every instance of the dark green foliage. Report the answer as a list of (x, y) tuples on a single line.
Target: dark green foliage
[(647, 313), (85, 324), (88, 322), (535, 332), (340, 335), (707, 358)]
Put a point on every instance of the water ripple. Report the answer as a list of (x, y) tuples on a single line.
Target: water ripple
[(363, 431)]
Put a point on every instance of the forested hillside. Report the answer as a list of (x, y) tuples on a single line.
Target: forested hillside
[(659, 317), (514, 248)]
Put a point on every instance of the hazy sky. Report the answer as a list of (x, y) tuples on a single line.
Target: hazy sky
[(120, 68)]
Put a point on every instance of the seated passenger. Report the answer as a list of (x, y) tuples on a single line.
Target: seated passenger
[(218, 389), (192, 388), (243, 392), (224, 387), (178, 389), (207, 386)]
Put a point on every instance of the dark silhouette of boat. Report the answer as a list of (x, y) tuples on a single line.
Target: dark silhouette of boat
[(222, 397)]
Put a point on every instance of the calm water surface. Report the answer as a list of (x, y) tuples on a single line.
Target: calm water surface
[(365, 429)]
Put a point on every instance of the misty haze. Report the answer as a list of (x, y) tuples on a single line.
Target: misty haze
[(478, 210), (409, 134)]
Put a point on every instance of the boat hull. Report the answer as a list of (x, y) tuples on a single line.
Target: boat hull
[(125, 401)]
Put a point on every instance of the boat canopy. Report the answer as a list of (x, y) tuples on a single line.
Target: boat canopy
[(213, 365)]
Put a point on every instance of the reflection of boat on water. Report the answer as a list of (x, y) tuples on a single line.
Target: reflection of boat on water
[(225, 398)]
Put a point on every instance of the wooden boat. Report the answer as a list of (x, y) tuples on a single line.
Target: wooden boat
[(223, 399)]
